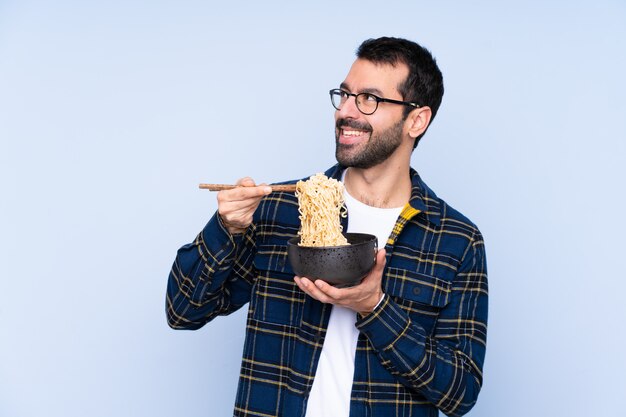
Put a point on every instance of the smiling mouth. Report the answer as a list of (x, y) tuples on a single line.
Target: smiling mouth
[(351, 132), (350, 136)]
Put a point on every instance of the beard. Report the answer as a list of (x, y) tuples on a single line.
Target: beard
[(376, 150)]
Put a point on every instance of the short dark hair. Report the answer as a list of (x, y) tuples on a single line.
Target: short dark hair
[(423, 85)]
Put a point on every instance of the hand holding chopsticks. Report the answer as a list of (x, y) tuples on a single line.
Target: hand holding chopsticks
[(236, 205)]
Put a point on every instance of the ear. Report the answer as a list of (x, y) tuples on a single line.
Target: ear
[(418, 120)]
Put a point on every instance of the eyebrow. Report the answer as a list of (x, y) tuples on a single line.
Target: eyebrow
[(374, 91)]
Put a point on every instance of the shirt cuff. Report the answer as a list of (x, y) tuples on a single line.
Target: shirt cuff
[(217, 242), (382, 297), (385, 324)]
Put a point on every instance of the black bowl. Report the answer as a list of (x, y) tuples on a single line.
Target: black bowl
[(341, 266)]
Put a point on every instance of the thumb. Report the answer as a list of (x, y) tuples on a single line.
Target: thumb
[(381, 260), (375, 275)]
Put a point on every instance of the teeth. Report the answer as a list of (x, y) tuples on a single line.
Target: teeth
[(353, 132)]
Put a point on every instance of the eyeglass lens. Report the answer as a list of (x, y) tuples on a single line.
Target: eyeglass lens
[(366, 103)]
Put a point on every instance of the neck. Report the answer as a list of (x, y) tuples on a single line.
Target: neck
[(380, 186)]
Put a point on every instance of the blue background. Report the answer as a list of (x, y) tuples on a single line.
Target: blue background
[(112, 112)]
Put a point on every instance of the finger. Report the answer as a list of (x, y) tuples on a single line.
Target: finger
[(244, 193), (248, 192), (234, 211), (330, 291), (238, 214), (309, 287), (239, 206), (245, 182), (303, 285)]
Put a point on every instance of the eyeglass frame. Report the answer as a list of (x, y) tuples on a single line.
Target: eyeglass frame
[(379, 100)]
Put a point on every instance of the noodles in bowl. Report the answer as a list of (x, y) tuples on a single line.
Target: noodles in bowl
[(322, 251)]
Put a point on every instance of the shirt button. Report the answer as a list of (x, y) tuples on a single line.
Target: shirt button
[(417, 290)]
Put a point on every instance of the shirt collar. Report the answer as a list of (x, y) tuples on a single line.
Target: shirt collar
[(422, 198)]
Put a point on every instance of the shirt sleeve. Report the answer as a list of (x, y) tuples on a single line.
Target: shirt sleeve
[(211, 276), (445, 367)]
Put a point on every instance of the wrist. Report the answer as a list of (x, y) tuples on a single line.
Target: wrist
[(232, 228), (378, 300)]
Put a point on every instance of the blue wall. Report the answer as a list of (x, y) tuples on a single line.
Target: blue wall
[(111, 113)]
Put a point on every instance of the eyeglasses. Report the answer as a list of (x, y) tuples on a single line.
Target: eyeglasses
[(366, 103)]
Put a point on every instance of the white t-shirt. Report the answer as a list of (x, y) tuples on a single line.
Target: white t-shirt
[(332, 386)]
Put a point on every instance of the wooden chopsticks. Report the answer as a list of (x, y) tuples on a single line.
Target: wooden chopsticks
[(219, 187)]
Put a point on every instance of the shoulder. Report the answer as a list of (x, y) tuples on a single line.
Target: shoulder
[(452, 216), (447, 217)]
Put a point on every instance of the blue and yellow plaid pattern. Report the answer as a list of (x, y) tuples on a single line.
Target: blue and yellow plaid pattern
[(420, 351)]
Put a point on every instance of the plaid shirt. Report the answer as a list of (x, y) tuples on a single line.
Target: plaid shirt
[(422, 349)]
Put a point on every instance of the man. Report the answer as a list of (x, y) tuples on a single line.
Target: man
[(410, 338)]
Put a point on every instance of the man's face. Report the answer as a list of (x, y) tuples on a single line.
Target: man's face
[(364, 141)]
